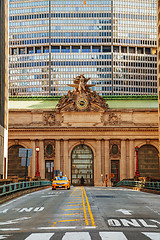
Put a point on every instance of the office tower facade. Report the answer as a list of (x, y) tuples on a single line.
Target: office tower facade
[(112, 42), (3, 86)]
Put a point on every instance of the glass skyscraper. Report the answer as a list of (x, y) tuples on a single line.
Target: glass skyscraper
[(112, 42)]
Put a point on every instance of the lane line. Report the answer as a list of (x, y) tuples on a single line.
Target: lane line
[(71, 214), (152, 236), (76, 235), (51, 228), (71, 220), (74, 205), (10, 229), (40, 236), (89, 208), (72, 209), (112, 235), (84, 208), (73, 191)]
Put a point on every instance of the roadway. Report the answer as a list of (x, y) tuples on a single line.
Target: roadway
[(81, 213)]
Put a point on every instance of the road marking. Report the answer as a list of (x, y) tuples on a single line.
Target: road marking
[(70, 220), (40, 236), (124, 211), (74, 205), (84, 208), (152, 236), (4, 236), (73, 191), (49, 228), (112, 235), (131, 222), (70, 214), (71, 209), (14, 221), (146, 225), (89, 208), (4, 211), (76, 236), (10, 229)]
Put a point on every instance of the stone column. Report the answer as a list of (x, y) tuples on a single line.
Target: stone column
[(33, 159), (41, 159), (66, 162), (107, 161), (131, 158), (98, 180), (57, 155), (123, 167)]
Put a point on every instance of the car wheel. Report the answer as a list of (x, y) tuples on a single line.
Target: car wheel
[(68, 188)]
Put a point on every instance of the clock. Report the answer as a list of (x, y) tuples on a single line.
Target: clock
[(82, 103)]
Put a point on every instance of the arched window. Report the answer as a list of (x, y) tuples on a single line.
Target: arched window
[(148, 161), (82, 165)]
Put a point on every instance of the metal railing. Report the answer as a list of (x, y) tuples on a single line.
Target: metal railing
[(139, 184), (20, 186)]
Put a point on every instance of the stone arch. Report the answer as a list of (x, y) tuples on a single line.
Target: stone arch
[(148, 161), (82, 164), (14, 162)]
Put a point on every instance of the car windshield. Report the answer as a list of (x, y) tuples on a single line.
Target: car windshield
[(62, 178)]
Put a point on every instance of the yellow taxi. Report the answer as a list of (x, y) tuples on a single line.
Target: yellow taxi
[(61, 182)]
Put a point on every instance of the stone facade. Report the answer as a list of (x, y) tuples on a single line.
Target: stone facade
[(111, 134)]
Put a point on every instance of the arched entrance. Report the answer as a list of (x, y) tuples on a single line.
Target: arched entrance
[(82, 164), (14, 162), (148, 161)]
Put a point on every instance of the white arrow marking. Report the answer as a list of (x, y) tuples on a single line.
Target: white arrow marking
[(4, 236), (14, 221), (124, 211)]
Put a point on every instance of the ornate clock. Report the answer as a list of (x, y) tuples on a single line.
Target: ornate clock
[(82, 103)]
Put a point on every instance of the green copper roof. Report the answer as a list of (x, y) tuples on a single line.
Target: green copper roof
[(114, 102)]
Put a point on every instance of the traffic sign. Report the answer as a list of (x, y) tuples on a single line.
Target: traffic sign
[(23, 152), (23, 162)]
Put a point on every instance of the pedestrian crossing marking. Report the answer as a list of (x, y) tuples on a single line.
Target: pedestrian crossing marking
[(40, 236), (76, 236), (112, 235), (152, 236), (85, 236)]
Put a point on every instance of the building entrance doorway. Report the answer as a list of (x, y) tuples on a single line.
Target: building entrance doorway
[(82, 164)]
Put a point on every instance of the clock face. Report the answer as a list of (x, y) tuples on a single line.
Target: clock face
[(82, 103)]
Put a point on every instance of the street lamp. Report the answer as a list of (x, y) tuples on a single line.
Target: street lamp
[(37, 174), (137, 174)]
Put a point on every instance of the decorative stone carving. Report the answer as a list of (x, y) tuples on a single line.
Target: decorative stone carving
[(81, 98), (115, 148), (49, 148), (114, 119), (50, 119)]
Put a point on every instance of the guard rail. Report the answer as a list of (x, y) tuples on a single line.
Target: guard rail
[(20, 186), (139, 184)]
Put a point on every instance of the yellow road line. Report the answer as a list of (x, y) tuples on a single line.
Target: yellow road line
[(89, 209), (74, 205), (70, 214), (75, 202), (72, 220), (73, 192), (72, 209), (84, 209)]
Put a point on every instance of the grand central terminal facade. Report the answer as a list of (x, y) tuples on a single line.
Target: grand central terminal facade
[(86, 135)]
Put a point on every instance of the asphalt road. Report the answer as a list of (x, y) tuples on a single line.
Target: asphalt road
[(82, 213)]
